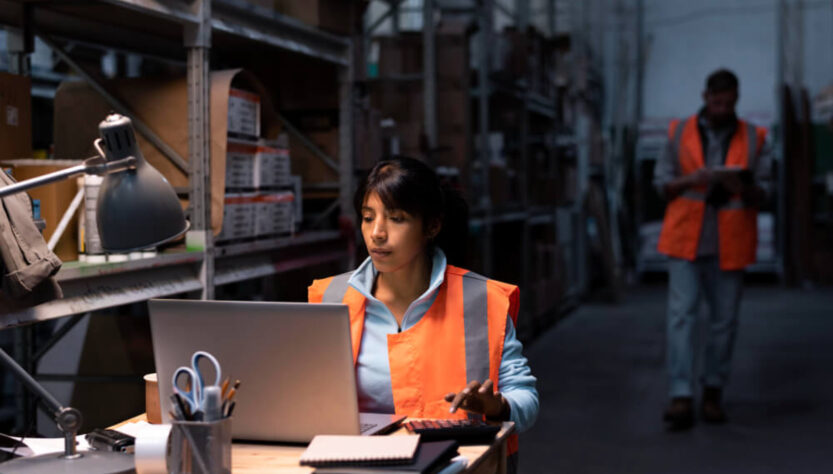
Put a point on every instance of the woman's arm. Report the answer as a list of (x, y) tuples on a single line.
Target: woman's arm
[(516, 382)]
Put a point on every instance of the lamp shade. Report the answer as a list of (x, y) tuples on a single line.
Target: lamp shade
[(136, 208)]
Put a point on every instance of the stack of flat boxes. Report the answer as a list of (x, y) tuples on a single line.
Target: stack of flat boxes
[(261, 193)]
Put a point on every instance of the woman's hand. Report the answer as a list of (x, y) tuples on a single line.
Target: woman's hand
[(480, 398)]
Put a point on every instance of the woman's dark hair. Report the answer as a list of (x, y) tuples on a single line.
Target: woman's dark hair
[(410, 185)]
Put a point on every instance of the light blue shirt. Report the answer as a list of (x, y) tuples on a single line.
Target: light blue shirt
[(516, 382)]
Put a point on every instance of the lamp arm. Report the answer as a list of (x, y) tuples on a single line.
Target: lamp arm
[(59, 175), (67, 418), (30, 382), (95, 165)]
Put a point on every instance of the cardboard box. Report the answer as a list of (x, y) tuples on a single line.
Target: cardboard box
[(337, 16), (272, 167), (275, 214), (15, 116), (163, 105), (402, 55), (401, 101), (240, 164), (243, 113), (54, 198), (368, 125), (239, 216), (309, 166)]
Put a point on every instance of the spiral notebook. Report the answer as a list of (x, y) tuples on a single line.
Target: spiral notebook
[(431, 457), (343, 450)]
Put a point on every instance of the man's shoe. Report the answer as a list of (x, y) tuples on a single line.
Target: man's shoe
[(712, 411), (680, 414)]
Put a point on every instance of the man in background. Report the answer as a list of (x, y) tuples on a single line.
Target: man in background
[(714, 174)]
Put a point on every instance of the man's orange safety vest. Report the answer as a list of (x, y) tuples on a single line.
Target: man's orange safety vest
[(737, 223), (459, 339)]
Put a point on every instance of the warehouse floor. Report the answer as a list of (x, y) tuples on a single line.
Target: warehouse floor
[(602, 389)]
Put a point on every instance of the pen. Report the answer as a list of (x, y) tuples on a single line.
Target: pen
[(182, 408), (225, 387)]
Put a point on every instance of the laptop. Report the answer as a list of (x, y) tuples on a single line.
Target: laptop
[(294, 362)]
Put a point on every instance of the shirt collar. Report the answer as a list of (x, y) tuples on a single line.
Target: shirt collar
[(364, 276), (703, 123)]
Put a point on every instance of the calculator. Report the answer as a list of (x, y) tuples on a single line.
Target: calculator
[(467, 431)]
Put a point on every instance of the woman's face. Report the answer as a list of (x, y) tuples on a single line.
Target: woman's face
[(394, 238)]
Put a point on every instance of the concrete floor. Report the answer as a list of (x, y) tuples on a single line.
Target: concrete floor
[(602, 389)]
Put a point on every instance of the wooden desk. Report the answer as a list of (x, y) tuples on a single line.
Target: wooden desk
[(262, 458)]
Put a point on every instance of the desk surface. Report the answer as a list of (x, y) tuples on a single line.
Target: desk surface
[(257, 458)]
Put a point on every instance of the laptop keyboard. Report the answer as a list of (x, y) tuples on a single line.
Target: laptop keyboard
[(366, 426)]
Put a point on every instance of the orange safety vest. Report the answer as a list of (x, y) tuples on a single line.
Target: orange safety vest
[(737, 223), (459, 339)]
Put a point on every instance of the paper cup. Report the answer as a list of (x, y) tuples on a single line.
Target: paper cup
[(152, 408)]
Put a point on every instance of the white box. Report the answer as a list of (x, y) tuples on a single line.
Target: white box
[(238, 216), (240, 164), (244, 113), (271, 167), (275, 213)]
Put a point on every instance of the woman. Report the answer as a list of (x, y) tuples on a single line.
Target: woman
[(428, 337)]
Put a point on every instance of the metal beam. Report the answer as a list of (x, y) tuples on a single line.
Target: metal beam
[(485, 25), (429, 73), (346, 133), (119, 106), (309, 145), (392, 7)]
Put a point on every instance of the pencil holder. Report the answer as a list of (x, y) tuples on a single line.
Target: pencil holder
[(200, 447)]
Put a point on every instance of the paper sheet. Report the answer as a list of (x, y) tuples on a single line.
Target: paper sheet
[(36, 446), (136, 429)]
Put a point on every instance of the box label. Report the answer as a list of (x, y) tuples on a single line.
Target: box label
[(12, 116)]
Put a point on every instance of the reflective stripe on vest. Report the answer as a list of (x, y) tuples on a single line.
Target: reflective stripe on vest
[(737, 223), (337, 288)]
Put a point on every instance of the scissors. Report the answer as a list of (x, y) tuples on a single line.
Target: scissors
[(194, 394)]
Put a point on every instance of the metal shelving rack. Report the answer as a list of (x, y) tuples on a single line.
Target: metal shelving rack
[(485, 216), (201, 26), (192, 31)]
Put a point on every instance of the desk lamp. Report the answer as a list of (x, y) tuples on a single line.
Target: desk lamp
[(137, 208)]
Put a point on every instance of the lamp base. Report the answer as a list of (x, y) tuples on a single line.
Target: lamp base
[(91, 462)]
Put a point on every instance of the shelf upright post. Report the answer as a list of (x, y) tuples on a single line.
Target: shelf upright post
[(522, 19), (198, 41), (485, 27), (20, 42), (429, 74), (346, 78)]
